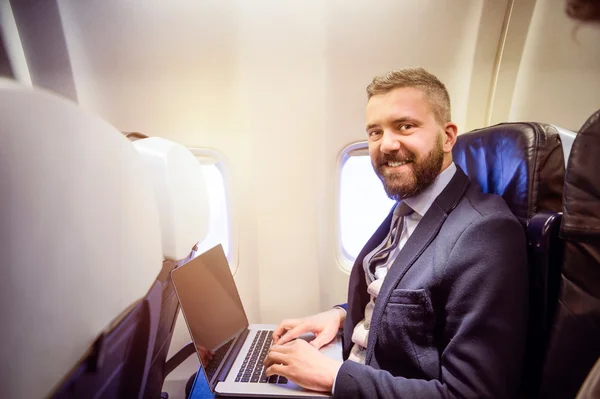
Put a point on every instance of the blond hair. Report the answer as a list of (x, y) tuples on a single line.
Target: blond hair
[(418, 78)]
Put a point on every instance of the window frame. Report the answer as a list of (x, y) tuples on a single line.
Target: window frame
[(209, 156), (359, 148)]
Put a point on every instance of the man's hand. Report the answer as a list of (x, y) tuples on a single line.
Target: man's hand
[(324, 325), (303, 364), (205, 355)]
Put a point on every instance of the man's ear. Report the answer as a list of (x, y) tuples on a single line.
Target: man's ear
[(450, 133)]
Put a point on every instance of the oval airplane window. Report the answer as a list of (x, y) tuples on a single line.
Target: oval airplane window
[(219, 231), (363, 204)]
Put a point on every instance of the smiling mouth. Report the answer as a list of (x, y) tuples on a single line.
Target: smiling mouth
[(396, 164)]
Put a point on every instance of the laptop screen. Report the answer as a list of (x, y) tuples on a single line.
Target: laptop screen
[(209, 299)]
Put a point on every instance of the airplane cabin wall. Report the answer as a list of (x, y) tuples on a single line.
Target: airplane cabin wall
[(559, 75), (278, 88)]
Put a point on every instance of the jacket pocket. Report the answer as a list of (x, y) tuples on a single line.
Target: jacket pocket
[(409, 297), (408, 325)]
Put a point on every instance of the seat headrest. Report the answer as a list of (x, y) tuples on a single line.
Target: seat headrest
[(522, 162), (181, 193), (566, 138), (581, 212), (80, 240)]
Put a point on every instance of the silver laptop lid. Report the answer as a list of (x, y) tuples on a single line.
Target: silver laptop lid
[(209, 299)]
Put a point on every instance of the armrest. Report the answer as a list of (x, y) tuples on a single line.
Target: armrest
[(179, 357), (545, 250)]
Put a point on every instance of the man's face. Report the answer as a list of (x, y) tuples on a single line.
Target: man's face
[(407, 144)]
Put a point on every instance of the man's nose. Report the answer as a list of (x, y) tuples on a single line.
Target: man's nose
[(389, 142)]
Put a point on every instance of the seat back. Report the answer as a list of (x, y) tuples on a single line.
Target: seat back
[(80, 242), (523, 163), (575, 342), (182, 196), (118, 364)]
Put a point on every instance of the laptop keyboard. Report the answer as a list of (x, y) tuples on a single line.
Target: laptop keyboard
[(216, 360), (252, 369)]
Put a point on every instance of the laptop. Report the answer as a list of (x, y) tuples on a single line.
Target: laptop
[(217, 322)]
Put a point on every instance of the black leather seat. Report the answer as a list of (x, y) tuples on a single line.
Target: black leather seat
[(575, 341), (119, 362), (524, 163), (591, 385)]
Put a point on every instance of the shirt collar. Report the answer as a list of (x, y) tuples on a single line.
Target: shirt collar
[(421, 202)]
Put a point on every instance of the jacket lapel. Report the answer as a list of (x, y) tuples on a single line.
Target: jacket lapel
[(418, 242)]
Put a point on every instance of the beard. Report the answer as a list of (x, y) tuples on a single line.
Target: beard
[(419, 174)]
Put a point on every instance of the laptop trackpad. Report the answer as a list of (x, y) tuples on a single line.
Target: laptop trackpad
[(307, 337), (332, 350)]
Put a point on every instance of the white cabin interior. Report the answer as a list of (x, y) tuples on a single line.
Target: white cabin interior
[(273, 93)]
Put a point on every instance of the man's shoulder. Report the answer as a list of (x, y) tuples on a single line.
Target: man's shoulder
[(481, 220), (476, 207), (483, 204), (481, 215)]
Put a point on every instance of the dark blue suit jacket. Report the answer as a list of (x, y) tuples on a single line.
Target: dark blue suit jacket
[(450, 319)]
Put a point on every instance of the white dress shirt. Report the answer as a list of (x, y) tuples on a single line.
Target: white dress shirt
[(420, 204)]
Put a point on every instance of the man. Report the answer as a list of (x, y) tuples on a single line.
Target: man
[(437, 298)]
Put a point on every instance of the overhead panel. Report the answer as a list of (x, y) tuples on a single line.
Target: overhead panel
[(41, 33)]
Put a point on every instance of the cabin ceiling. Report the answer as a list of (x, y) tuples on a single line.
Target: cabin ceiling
[(178, 65)]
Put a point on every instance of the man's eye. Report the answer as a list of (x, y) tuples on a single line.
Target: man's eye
[(405, 126), (374, 133)]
